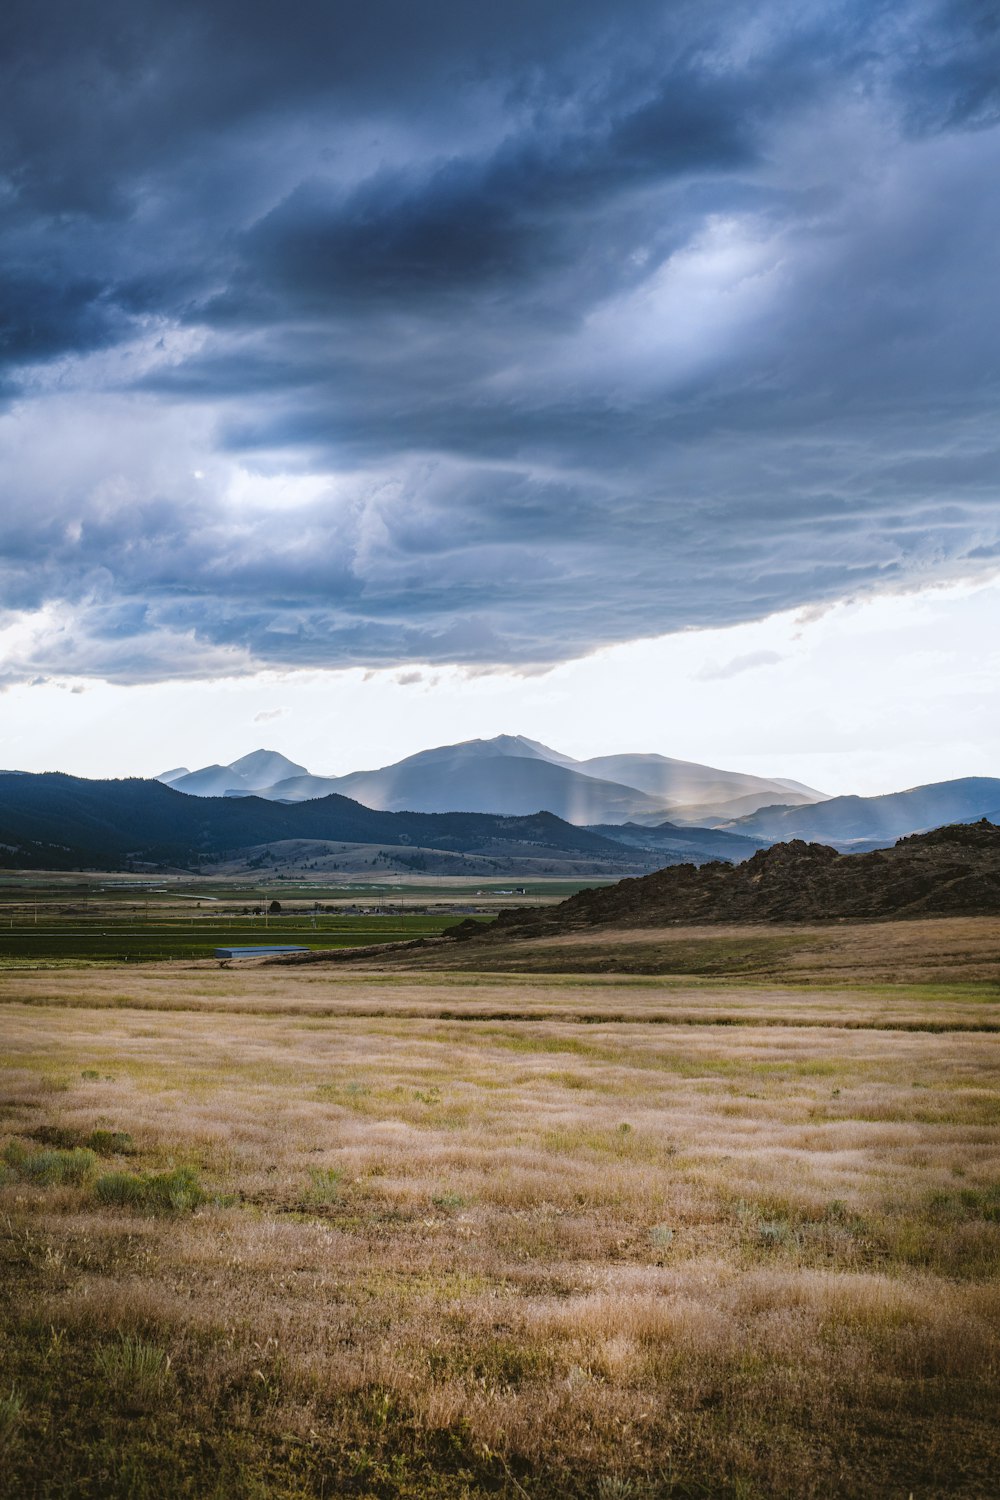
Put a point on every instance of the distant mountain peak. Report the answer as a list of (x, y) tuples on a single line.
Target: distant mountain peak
[(499, 744), (544, 752), (264, 767), (168, 776)]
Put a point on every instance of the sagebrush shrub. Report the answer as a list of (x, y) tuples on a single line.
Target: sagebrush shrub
[(50, 1167)]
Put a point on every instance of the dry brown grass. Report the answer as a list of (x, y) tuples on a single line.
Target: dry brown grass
[(932, 951), (539, 1236)]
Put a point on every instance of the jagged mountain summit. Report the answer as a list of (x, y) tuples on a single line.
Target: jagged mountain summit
[(514, 776)]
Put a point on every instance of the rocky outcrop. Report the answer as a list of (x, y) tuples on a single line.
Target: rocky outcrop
[(953, 871)]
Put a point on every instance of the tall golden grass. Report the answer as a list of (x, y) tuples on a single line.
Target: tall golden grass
[(461, 1236)]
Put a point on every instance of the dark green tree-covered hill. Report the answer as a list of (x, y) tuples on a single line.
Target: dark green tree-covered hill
[(52, 821)]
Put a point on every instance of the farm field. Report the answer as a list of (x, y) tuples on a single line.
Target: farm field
[(118, 938), (64, 918), (120, 919), (406, 1232)]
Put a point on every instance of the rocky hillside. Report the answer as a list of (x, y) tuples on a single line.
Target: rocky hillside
[(953, 871)]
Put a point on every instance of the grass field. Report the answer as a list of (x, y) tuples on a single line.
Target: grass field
[(935, 950), (323, 1232)]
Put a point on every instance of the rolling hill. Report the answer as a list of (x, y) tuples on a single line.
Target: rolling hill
[(678, 843)]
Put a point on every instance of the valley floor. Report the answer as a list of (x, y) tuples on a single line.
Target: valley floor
[(313, 1232)]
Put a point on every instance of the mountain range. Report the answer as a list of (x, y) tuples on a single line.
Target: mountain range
[(52, 821), (515, 776), (507, 805), (856, 822), (643, 801)]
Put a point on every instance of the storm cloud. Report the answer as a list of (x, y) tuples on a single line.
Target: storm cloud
[(355, 336)]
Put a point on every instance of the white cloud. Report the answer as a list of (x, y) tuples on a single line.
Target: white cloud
[(714, 672), (865, 697)]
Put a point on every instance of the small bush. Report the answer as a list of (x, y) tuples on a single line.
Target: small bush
[(151, 1192), (50, 1168), (662, 1236), (54, 1135), (110, 1142), (135, 1370)]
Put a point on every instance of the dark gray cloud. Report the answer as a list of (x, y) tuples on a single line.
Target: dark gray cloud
[(486, 334)]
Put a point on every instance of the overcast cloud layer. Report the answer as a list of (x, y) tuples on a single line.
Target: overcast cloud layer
[(462, 332)]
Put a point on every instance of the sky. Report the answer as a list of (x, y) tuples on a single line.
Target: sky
[(624, 376)]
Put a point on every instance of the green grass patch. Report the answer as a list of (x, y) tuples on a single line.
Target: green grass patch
[(325, 1185), (136, 1371), (964, 1204), (110, 1142), (178, 1191), (103, 1142), (111, 936), (49, 1167), (11, 1407)]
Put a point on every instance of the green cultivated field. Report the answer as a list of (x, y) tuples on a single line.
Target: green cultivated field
[(100, 919), (119, 931), (122, 938)]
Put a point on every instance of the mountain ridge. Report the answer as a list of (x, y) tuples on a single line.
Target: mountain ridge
[(508, 774), (51, 820), (889, 816)]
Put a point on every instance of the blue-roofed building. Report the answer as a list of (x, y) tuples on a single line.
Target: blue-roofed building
[(258, 952)]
